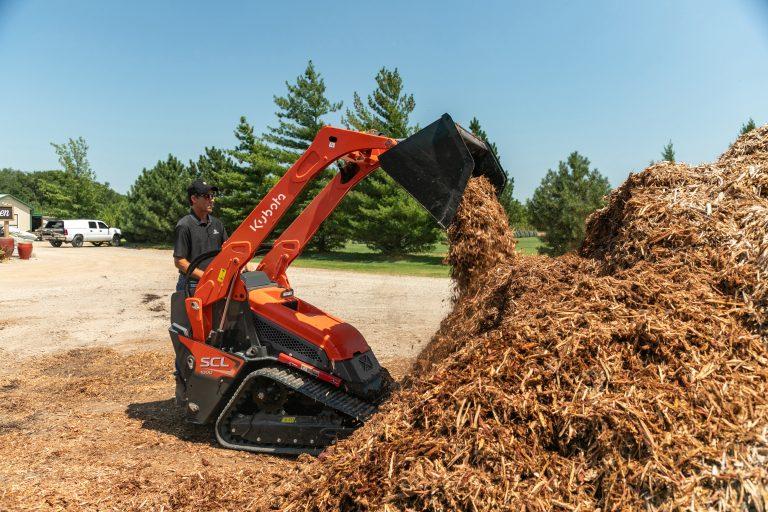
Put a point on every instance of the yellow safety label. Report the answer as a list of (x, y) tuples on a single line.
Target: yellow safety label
[(289, 419), (222, 275)]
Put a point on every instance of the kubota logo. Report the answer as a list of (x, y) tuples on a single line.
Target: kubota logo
[(259, 222)]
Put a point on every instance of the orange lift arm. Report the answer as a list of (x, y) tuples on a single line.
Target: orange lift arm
[(294, 239), (220, 279)]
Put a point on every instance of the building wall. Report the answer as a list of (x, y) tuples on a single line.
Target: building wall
[(20, 211)]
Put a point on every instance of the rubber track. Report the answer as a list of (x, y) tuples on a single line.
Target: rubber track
[(300, 383), (319, 391)]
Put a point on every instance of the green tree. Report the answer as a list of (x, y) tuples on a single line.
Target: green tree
[(563, 201), (668, 153), (55, 193), (238, 185), (517, 212), (300, 116), (156, 201), (748, 126), (79, 182), (19, 184), (66, 195), (111, 204), (382, 215), (73, 157), (254, 170)]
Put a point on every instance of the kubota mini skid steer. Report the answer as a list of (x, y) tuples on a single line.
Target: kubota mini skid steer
[(273, 372)]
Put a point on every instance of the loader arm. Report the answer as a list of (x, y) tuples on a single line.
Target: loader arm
[(295, 238), (433, 165), (220, 279)]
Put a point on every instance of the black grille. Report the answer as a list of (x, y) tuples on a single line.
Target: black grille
[(289, 344)]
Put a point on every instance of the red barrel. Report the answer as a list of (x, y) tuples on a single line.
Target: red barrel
[(6, 244), (25, 250)]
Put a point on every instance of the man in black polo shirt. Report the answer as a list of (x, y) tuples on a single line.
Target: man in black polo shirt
[(197, 232)]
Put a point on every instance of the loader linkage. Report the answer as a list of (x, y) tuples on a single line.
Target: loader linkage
[(274, 373)]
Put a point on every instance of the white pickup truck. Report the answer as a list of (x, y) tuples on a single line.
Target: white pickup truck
[(78, 231)]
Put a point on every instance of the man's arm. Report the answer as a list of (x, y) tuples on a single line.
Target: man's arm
[(183, 264)]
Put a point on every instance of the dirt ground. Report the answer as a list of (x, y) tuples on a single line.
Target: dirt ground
[(118, 297), (87, 420)]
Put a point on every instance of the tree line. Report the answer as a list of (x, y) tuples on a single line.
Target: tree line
[(377, 212)]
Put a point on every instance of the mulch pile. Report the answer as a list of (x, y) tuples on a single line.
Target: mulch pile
[(630, 376)]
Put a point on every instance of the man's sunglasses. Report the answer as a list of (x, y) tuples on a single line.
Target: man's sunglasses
[(207, 196)]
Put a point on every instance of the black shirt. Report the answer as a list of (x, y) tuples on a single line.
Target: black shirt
[(194, 237)]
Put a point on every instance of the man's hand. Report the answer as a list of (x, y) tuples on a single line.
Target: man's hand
[(250, 266)]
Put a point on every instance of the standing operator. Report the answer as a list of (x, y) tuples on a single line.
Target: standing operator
[(196, 233)]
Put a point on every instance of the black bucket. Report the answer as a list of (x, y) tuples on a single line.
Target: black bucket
[(435, 163)]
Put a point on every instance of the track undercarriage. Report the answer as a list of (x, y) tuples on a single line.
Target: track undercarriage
[(282, 411)]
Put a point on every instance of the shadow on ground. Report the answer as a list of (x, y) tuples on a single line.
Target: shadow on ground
[(166, 417)]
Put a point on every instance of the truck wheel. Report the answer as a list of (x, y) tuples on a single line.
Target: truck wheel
[(96, 244), (77, 241), (115, 242), (55, 243)]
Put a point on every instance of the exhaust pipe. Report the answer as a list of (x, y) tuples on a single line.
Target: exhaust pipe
[(434, 164)]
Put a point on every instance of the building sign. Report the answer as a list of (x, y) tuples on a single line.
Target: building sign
[(6, 212)]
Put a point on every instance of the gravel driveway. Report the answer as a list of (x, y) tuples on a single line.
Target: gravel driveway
[(115, 296)]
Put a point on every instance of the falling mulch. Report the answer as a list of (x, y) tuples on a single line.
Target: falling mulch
[(633, 375)]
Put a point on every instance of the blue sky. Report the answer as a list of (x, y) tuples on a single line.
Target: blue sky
[(614, 80)]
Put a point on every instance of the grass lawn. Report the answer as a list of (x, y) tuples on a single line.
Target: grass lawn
[(357, 257), (529, 245)]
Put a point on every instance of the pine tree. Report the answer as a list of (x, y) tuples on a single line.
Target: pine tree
[(386, 110), (243, 175), (563, 201), (156, 201), (256, 171), (668, 153), (748, 126), (382, 214), (300, 116)]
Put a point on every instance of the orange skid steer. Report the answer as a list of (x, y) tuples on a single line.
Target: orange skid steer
[(272, 372)]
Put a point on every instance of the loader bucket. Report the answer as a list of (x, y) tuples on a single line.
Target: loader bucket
[(435, 163)]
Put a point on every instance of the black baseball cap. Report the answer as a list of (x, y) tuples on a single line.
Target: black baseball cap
[(200, 188)]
